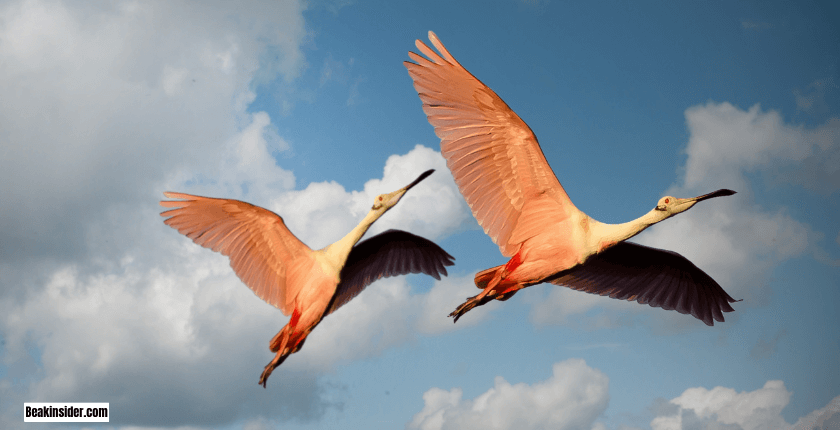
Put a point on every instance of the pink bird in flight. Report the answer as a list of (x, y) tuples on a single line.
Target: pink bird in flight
[(518, 201), (290, 276)]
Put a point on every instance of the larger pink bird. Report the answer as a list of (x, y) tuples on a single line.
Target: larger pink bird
[(513, 193), (289, 275)]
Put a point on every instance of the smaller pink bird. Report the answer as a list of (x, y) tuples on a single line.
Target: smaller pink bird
[(515, 196), (290, 276)]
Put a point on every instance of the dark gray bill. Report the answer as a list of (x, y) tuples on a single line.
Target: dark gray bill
[(718, 193), (419, 178)]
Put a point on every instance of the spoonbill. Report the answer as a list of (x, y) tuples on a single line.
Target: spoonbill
[(513, 193), (287, 274)]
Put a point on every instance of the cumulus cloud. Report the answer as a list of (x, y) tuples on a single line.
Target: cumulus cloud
[(152, 322), (181, 344), (109, 99), (176, 327), (727, 142), (190, 334), (733, 239), (580, 310), (105, 99), (725, 408), (443, 298), (759, 409), (823, 418), (572, 398), (114, 103), (434, 209), (324, 212), (386, 314), (576, 395)]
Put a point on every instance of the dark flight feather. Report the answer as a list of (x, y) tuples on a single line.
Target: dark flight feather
[(390, 253), (659, 278)]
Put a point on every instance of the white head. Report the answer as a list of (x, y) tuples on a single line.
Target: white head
[(669, 206), (384, 202)]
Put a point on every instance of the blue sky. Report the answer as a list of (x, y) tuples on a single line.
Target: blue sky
[(306, 109)]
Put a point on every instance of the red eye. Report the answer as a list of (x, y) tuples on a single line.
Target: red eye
[(380, 198), (667, 201)]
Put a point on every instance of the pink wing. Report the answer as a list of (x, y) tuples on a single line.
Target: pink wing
[(265, 255), (493, 155)]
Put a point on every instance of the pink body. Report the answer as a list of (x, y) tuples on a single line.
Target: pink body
[(502, 173), (286, 273)]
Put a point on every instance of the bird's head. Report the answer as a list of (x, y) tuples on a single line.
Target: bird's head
[(669, 206), (384, 202)]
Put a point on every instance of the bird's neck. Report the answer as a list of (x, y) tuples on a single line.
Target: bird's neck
[(337, 253), (609, 234)]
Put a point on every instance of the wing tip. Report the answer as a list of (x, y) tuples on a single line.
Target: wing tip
[(181, 196), (433, 37), (420, 44)]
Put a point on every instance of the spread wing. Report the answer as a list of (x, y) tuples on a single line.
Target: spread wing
[(265, 255), (629, 271), (493, 155), (390, 253)]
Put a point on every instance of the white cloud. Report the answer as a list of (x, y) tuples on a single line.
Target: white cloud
[(432, 209), (384, 315), (165, 336), (114, 104), (823, 418), (150, 340), (173, 79), (244, 168), (320, 214), (759, 409), (734, 240), (576, 395), (442, 299), (721, 407), (568, 307), (155, 328), (380, 317), (324, 212), (572, 398), (727, 142), (104, 99)]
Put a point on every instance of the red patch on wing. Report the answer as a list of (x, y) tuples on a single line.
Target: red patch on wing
[(295, 317), (514, 262)]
